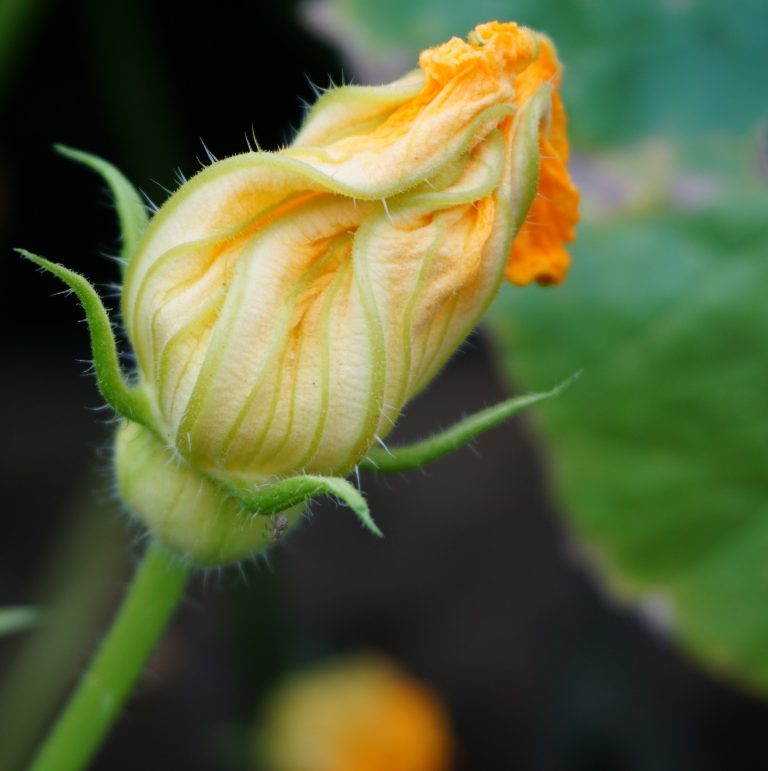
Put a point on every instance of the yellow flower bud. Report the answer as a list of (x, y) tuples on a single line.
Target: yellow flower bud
[(283, 307)]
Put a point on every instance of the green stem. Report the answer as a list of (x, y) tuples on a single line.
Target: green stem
[(151, 599)]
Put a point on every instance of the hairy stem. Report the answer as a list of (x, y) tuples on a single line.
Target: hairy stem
[(148, 604)]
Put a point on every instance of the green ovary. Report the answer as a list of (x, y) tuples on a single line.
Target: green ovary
[(185, 509)]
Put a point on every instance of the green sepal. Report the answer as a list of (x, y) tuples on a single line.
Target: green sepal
[(414, 456), (131, 212), (526, 160), (275, 497), (18, 619), (129, 402)]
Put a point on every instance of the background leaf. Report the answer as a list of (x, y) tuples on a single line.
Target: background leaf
[(660, 453), (632, 67)]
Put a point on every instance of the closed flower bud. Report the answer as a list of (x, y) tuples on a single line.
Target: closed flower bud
[(283, 307)]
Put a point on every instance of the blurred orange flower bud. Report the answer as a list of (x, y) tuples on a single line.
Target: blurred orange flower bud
[(357, 714)]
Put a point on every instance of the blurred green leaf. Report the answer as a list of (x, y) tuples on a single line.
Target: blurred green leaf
[(17, 619), (17, 20), (632, 67), (660, 453)]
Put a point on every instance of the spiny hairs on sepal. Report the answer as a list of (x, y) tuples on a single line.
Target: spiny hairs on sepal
[(131, 212), (278, 496), (125, 399), (419, 454)]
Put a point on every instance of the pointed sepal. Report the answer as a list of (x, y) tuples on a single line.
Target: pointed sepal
[(131, 212), (125, 400), (278, 496), (419, 454)]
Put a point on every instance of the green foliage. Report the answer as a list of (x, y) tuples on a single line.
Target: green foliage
[(17, 619), (660, 452), (632, 67), (17, 20)]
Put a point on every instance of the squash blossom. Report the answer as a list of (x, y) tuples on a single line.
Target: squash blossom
[(284, 306)]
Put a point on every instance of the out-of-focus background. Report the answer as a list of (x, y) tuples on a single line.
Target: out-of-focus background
[(588, 589)]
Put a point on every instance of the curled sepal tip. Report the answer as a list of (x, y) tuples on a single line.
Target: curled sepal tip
[(125, 400), (278, 496), (418, 454), (131, 212)]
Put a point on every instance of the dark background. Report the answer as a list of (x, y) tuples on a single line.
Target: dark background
[(476, 588)]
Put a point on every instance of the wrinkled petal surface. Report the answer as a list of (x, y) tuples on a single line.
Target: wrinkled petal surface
[(285, 306)]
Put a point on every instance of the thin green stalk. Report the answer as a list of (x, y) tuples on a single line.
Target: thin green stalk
[(77, 586), (151, 599)]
